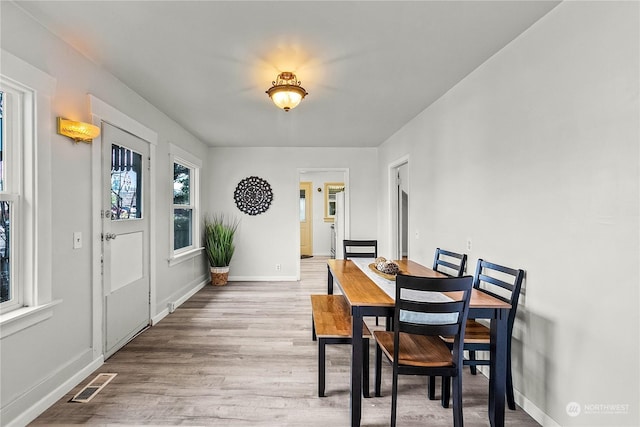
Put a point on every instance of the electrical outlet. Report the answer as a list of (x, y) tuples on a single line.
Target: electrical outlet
[(468, 243), (278, 267), (77, 240)]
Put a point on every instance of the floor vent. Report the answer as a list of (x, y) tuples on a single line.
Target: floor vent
[(93, 388)]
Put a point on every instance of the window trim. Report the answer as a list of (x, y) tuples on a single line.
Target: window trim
[(184, 158), (35, 265)]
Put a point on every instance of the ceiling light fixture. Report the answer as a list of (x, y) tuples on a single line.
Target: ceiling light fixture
[(78, 131), (286, 91)]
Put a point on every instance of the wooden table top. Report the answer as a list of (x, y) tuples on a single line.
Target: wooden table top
[(359, 290)]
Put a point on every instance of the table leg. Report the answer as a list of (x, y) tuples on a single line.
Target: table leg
[(498, 369), (356, 367), (329, 281)]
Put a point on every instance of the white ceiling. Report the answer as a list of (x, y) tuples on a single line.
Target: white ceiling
[(369, 67)]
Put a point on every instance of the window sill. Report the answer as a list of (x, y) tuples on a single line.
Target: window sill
[(184, 256), (25, 317)]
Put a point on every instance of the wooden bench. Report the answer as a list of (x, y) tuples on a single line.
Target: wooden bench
[(332, 325)]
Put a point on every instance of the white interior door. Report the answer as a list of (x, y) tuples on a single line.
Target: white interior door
[(125, 236)]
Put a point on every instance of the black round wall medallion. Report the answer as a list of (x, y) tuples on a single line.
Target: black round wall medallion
[(253, 195)]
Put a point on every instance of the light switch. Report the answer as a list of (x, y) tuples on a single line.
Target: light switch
[(77, 240)]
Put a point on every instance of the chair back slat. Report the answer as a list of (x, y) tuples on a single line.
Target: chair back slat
[(422, 308), (431, 330), (451, 260), (365, 248), (486, 280), (431, 307), (497, 282)]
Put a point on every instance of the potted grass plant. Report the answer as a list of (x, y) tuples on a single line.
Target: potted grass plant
[(218, 244)]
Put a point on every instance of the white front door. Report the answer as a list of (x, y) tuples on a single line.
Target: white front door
[(125, 236)]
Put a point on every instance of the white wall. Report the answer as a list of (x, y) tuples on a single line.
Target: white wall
[(274, 236), (534, 156), (42, 361)]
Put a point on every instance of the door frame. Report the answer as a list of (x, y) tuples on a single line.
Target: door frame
[(103, 112), (394, 221), (347, 213)]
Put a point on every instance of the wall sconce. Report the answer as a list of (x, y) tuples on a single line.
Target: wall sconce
[(286, 91), (78, 131)]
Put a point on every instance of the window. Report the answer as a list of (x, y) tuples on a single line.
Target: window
[(25, 195), (185, 216), (7, 293), (11, 121), (182, 207), (330, 190)]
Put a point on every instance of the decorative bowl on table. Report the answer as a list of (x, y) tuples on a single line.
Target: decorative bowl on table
[(385, 268)]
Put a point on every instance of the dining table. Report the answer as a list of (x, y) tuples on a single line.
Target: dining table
[(369, 296)]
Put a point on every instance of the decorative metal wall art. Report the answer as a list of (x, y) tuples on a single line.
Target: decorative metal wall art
[(253, 195)]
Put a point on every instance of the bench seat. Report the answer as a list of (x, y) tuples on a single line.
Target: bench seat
[(332, 325)]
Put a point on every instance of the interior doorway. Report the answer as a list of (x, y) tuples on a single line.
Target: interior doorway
[(399, 208), (321, 210)]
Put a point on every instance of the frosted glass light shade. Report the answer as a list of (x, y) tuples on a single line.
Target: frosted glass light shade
[(78, 131), (286, 91)]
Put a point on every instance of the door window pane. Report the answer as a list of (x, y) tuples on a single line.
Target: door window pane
[(303, 210), (126, 183)]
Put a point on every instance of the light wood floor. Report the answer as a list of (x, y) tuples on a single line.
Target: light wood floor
[(242, 355)]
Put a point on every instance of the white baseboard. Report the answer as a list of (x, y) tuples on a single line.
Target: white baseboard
[(159, 316), (263, 279), (43, 404), (535, 412), (527, 406), (172, 305)]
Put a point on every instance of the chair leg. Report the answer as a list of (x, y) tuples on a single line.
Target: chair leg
[(378, 378), (313, 330), (394, 396), (365, 367), (472, 356), (432, 387), (510, 399), (446, 391), (321, 367), (457, 401)]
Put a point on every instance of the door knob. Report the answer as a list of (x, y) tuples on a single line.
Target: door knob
[(110, 236)]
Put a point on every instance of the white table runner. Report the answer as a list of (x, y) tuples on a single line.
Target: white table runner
[(389, 287)]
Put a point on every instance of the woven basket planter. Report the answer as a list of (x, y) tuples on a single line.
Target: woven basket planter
[(219, 276)]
